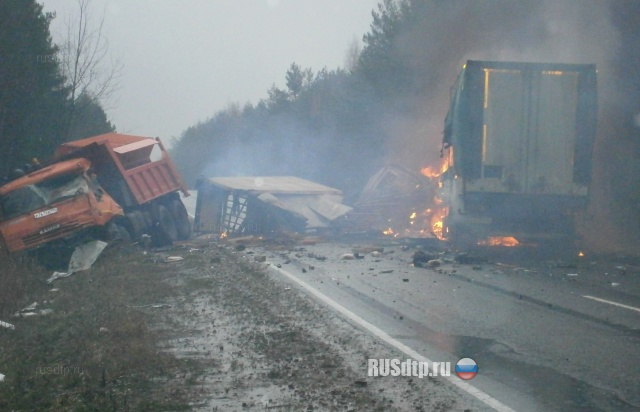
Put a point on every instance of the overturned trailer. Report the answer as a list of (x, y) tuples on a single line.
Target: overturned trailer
[(265, 205)]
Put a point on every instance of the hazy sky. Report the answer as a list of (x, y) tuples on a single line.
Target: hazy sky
[(186, 60)]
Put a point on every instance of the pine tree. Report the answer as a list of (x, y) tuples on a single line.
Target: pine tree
[(32, 96)]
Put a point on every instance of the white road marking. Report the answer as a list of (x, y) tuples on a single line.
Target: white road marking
[(454, 380), (612, 303)]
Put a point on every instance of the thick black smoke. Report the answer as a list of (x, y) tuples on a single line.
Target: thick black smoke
[(442, 35)]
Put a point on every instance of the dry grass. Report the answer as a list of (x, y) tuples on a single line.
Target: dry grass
[(20, 281), (95, 350)]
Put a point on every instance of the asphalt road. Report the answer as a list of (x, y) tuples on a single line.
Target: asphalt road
[(547, 336)]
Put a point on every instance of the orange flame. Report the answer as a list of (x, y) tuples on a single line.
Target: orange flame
[(430, 221), (437, 222), (390, 232), (435, 172), (438, 212), (507, 241)]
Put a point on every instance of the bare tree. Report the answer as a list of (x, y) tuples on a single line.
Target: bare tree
[(90, 71)]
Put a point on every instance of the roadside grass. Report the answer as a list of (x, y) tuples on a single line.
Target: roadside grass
[(19, 282), (95, 351)]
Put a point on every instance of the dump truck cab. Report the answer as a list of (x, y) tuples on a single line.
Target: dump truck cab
[(53, 203)]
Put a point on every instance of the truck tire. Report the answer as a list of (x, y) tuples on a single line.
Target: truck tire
[(136, 224), (115, 232), (166, 231), (181, 218)]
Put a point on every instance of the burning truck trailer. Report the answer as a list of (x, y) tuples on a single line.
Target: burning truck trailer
[(518, 139)]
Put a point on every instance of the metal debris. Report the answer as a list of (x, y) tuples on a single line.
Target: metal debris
[(153, 305), (420, 258), (82, 259), (30, 308), (7, 325)]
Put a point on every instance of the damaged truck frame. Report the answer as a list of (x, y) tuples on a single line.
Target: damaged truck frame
[(111, 186), (521, 138)]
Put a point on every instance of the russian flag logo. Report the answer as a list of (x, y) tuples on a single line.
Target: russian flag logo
[(466, 368)]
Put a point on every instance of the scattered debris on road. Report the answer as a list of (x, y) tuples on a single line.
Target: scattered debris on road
[(30, 308)]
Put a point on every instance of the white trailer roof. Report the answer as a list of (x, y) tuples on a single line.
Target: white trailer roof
[(273, 184)]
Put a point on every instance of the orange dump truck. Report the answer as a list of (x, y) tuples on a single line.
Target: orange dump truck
[(102, 187)]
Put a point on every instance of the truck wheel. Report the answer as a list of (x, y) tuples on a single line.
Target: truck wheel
[(166, 227), (116, 232), (136, 224), (181, 219)]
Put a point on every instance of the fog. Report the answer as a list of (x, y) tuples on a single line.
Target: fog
[(184, 61)]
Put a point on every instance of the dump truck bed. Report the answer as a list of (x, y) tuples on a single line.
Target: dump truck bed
[(133, 169)]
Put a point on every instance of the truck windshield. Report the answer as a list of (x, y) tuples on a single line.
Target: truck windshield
[(31, 197)]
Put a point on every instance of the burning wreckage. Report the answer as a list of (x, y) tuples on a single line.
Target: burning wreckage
[(399, 203), (516, 165), (276, 205)]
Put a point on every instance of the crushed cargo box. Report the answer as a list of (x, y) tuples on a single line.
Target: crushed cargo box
[(265, 205), (390, 199)]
